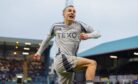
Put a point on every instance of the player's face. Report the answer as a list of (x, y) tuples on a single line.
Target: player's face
[(69, 14)]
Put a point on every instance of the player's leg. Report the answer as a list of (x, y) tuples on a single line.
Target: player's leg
[(89, 66), (65, 78), (60, 66)]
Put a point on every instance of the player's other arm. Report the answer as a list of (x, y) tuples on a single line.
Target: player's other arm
[(42, 47), (44, 44), (88, 32), (94, 35)]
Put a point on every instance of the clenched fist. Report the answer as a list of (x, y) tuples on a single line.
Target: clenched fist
[(36, 57)]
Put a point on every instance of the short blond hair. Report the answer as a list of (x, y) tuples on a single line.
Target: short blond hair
[(67, 7)]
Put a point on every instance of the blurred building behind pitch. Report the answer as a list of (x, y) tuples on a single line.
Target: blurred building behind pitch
[(16, 61), (117, 61)]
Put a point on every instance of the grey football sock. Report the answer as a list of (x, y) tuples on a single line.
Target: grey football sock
[(89, 82)]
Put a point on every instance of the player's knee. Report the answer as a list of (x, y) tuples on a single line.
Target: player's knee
[(93, 63)]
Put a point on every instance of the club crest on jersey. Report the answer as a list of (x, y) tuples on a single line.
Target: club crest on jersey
[(58, 29)]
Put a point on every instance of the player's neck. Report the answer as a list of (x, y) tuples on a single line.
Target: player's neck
[(67, 22)]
